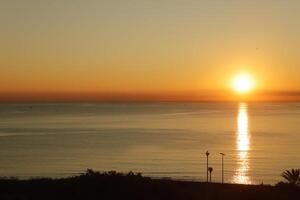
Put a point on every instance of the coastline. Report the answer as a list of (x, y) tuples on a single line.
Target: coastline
[(114, 185)]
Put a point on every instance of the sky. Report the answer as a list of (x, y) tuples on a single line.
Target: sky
[(140, 49)]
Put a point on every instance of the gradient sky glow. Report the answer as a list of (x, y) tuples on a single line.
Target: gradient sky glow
[(141, 46)]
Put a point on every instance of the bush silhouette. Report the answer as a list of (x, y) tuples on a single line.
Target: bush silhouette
[(292, 176)]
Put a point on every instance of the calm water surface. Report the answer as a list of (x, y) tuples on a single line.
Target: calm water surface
[(260, 140)]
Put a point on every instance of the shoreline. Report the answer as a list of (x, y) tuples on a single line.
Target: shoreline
[(114, 185)]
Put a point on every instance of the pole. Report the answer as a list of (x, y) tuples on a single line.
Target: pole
[(207, 154), (206, 168), (222, 169), (222, 154)]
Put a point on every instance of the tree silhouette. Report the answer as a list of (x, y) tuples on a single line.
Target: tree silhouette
[(292, 176)]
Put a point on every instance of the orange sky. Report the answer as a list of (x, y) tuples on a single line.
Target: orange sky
[(147, 50)]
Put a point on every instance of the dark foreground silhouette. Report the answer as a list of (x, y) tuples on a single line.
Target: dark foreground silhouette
[(112, 185)]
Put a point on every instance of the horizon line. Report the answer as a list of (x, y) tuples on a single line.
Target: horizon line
[(159, 96)]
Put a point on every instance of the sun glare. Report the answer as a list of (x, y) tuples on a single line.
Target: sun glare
[(242, 83)]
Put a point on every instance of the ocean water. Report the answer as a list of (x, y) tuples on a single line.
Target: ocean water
[(260, 140)]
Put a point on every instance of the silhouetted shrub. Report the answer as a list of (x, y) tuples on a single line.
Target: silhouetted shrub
[(292, 176)]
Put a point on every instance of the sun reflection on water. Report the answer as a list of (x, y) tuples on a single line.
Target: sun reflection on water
[(243, 145)]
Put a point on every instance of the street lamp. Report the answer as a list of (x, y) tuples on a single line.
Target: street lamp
[(207, 154), (222, 154)]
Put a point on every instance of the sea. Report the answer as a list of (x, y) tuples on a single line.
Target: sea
[(259, 140)]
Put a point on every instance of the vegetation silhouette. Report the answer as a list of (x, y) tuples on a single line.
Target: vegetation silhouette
[(292, 176), (114, 185)]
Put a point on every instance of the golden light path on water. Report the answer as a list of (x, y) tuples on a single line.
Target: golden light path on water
[(242, 146)]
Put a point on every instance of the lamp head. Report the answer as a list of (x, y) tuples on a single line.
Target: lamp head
[(207, 153)]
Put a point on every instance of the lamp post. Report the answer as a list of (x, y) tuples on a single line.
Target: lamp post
[(207, 154), (222, 154)]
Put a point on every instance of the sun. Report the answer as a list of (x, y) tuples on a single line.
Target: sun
[(242, 83)]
